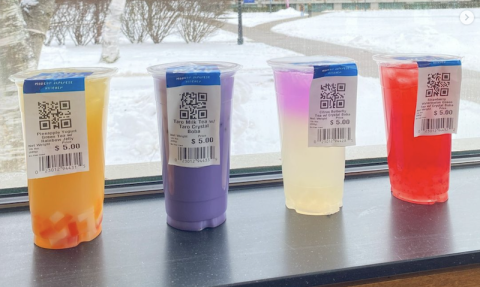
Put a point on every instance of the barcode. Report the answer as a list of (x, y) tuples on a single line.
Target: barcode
[(60, 160), (206, 152), (334, 134), (433, 124)]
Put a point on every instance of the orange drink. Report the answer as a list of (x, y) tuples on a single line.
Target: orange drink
[(67, 209)]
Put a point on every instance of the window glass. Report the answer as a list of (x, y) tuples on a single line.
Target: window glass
[(154, 32)]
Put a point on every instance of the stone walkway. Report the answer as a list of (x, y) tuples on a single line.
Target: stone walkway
[(367, 67)]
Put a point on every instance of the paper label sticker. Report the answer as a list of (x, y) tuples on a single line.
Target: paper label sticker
[(193, 112), (333, 106), (438, 97), (55, 124)]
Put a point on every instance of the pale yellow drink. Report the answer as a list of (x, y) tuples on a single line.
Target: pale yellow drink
[(313, 176)]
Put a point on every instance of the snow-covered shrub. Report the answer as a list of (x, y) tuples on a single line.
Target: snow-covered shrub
[(132, 21), (161, 18), (200, 18), (59, 24), (82, 20), (154, 18)]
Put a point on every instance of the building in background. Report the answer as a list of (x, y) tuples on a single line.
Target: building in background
[(323, 5)]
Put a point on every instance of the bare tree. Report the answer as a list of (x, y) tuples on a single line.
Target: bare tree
[(37, 15), (200, 18), (59, 24), (82, 30), (133, 19), (101, 10), (18, 52), (81, 20), (111, 32), (161, 18)]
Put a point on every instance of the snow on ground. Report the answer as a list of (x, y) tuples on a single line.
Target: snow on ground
[(406, 31), (251, 19), (132, 126)]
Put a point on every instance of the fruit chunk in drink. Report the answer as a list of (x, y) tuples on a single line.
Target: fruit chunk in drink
[(68, 209)]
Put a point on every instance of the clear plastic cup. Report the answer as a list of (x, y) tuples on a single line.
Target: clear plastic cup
[(68, 209), (419, 167), (195, 197), (313, 177)]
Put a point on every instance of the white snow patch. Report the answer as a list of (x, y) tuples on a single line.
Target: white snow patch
[(395, 31), (132, 126), (27, 4), (132, 134)]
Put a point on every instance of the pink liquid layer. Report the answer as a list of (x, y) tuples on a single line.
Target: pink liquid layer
[(293, 90), (313, 176)]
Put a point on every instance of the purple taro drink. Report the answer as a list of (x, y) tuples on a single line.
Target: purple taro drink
[(194, 102)]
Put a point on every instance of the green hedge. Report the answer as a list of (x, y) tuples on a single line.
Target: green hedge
[(256, 8), (441, 5), (355, 6), (429, 5), (319, 7), (389, 6)]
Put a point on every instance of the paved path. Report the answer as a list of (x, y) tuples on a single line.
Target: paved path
[(262, 33), (367, 67)]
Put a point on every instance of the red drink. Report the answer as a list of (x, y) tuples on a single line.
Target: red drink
[(419, 167)]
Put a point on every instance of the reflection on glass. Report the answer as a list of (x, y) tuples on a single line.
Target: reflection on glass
[(158, 32)]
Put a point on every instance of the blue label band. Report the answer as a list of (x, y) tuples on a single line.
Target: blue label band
[(349, 69), (420, 58), (55, 83), (426, 64), (193, 76), (314, 63)]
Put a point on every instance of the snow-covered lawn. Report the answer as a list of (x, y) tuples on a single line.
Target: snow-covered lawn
[(251, 19), (132, 126), (406, 31)]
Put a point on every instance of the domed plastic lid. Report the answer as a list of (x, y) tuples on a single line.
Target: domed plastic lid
[(97, 72), (398, 59), (306, 63), (186, 67)]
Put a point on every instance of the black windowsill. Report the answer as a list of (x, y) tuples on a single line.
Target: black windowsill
[(261, 244)]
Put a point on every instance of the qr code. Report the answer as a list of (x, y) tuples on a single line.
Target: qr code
[(54, 115), (437, 85), (332, 95), (193, 106)]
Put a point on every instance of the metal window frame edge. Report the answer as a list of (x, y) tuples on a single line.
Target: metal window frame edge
[(239, 178)]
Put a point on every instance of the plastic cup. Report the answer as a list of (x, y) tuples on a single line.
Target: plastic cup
[(419, 167), (68, 209), (195, 197), (313, 177)]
